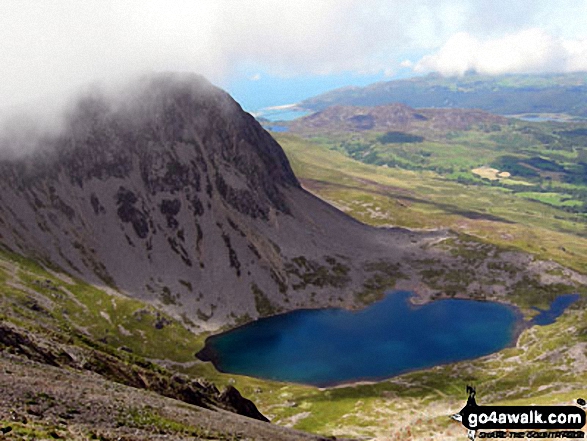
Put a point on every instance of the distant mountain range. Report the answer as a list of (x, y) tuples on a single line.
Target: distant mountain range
[(504, 94)]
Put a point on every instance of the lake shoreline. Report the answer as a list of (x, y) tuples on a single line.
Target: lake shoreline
[(248, 347), (414, 300)]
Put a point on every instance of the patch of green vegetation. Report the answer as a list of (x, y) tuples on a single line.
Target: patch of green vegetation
[(451, 282), (311, 273), (384, 276), (31, 431), (399, 138), (76, 305), (148, 419), (530, 292), (167, 297), (471, 250), (554, 199), (242, 319), (263, 305), (426, 199)]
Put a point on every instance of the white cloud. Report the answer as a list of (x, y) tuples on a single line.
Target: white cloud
[(52, 46), (531, 50)]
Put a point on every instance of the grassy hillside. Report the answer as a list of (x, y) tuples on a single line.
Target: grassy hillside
[(546, 161), (547, 365), (81, 362), (382, 195)]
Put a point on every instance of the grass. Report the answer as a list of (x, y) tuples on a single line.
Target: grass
[(554, 199), (424, 199), (539, 157), (116, 320), (528, 374), (420, 402), (414, 402)]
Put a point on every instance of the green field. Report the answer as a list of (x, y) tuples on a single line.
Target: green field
[(549, 158)]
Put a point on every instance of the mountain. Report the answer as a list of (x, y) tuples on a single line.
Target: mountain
[(56, 386), (503, 94), (173, 195)]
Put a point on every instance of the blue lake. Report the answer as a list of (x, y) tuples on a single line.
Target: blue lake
[(557, 307), (333, 346)]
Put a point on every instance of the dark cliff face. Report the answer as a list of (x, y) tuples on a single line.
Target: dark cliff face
[(170, 193), (182, 133)]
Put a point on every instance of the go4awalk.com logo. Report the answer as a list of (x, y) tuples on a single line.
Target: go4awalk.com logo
[(561, 422)]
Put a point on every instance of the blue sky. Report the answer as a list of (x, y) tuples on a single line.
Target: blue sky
[(271, 52)]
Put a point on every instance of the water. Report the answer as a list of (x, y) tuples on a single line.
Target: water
[(531, 117), (557, 307), (287, 114), (333, 346)]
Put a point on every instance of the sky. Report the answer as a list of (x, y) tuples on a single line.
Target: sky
[(273, 52)]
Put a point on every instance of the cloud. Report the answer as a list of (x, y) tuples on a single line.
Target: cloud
[(51, 47), (527, 51)]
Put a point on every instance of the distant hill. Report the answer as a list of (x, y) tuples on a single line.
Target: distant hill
[(393, 117), (504, 94)]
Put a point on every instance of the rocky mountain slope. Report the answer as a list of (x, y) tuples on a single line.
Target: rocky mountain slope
[(60, 390), (171, 194), (167, 210)]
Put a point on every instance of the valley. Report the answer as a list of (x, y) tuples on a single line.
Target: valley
[(265, 220), (510, 173)]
